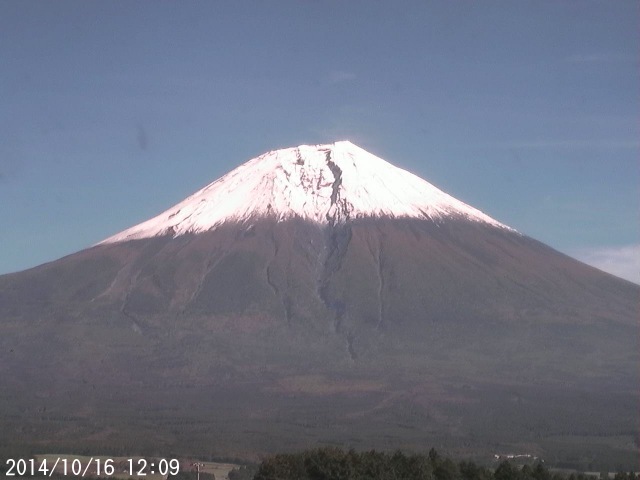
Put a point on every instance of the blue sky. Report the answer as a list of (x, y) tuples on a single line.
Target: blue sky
[(113, 111)]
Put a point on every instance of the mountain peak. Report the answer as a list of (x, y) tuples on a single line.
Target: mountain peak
[(326, 184)]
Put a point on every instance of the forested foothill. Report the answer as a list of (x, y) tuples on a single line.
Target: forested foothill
[(337, 464)]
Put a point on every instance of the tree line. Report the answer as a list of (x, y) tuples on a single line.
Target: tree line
[(336, 464)]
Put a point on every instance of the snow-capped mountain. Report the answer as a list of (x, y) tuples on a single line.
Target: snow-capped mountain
[(318, 295), (325, 184)]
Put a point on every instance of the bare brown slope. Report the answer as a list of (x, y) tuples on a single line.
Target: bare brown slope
[(379, 333)]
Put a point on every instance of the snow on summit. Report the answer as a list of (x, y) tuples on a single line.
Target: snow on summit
[(327, 184)]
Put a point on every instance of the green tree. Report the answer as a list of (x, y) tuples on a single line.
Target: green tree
[(506, 471), (526, 473), (328, 464), (471, 471), (282, 467), (446, 469), (540, 472)]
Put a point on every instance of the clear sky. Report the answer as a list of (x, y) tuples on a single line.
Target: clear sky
[(112, 111)]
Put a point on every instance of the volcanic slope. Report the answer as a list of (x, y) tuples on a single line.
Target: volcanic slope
[(319, 295)]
